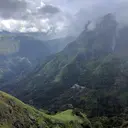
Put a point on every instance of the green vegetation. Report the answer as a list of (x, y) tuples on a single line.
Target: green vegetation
[(90, 74), (16, 114), (66, 116)]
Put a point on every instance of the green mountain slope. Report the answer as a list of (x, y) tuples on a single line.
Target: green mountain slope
[(90, 74), (16, 114), (63, 70)]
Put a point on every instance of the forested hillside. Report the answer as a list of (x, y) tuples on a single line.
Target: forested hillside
[(89, 74)]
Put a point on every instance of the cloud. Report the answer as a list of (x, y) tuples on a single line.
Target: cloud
[(25, 26), (48, 10), (12, 8), (57, 17), (29, 16), (86, 10)]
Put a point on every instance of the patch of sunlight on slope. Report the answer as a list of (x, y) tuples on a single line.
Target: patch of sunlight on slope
[(66, 116), (5, 126)]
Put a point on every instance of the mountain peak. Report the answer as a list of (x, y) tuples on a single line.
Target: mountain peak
[(109, 16)]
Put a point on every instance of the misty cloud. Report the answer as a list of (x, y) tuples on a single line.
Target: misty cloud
[(49, 10), (12, 8), (57, 17)]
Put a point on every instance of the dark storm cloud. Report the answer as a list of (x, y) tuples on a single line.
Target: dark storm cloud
[(59, 17), (30, 16), (12, 8), (49, 10)]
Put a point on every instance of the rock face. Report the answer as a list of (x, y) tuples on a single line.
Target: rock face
[(65, 107), (78, 87)]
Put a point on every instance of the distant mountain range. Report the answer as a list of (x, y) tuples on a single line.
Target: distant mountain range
[(90, 73), (21, 52)]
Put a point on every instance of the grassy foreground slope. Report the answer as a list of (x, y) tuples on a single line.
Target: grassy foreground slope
[(16, 114)]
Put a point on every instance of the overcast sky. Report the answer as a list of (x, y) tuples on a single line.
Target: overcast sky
[(56, 17)]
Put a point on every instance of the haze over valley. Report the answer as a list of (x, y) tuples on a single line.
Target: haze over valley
[(63, 64)]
